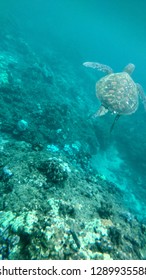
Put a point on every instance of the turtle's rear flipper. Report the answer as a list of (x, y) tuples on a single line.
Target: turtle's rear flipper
[(101, 111), (142, 95), (115, 120)]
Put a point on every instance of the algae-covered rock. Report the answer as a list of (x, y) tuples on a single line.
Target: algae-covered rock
[(6, 219), (24, 222)]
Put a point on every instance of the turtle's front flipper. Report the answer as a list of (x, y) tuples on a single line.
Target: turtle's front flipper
[(142, 95), (99, 66), (115, 120)]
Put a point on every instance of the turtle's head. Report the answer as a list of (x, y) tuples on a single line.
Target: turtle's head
[(129, 68)]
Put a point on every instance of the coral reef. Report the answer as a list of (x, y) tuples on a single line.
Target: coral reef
[(55, 169), (66, 191)]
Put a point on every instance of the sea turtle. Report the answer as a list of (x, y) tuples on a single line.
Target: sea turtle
[(117, 92)]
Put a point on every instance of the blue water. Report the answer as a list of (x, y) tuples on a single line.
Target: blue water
[(51, 40)]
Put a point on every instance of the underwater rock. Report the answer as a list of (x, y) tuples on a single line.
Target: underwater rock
[(115, 235), (72, 149), (103, 245), (52, 148), (66, 209), (7, 172), (48, 74), (24, 222), (22, 125), (105, 211), (55, 169)]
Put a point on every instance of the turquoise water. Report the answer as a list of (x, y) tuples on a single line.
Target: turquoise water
[(49, 142)]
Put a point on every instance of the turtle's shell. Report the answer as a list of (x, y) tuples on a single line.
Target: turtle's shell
[(118, 93)]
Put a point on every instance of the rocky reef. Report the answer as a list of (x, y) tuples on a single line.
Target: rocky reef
[(54, 203)]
